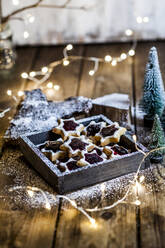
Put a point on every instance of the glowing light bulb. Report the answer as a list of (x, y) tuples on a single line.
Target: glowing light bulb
[(134, 138), (47, 206), (141, 179), (128, 32), (20, 93), (15, 2), (102, 186), (91, 73), (31, 18), (145, 19), (107, 58), (137, 202), (93, 222), (74, 204), (50, 85), (30, 193), (26, 34), (9, 92), (139, 19), (44, 69), (24, 75), (114, 63), (32, 74), (123, 56), (131, 52), (69, 47), (56, 87), (66, 62)]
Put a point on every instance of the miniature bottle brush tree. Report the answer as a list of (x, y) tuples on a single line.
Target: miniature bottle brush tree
[(152, 101), (157, 141)]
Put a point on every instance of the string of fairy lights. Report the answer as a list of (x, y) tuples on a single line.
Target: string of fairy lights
[(43, 75), (135, 185)]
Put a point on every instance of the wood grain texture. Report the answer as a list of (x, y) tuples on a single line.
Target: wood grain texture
[(67, 77), (108, 79), (125, 226)]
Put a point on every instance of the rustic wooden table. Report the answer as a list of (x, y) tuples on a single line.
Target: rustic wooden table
[(24, 222)]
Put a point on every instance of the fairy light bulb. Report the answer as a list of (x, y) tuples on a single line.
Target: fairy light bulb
[(32, 74), (131, 52), (73, 203), (15, 2), (134, 138), (141, 179), (93, 222), (102, 186), (114, 62), (9, 92), (69, 47), (123, 56), (30, 193), (31, 18), (26, 34), (24, 75), (47, 206), (56, 87), (20, 93), (66, 62), (137, 202), (107, 58), (128, 32), (139, 19), (91, 73), (44, 69), (50, 85), (146, 19)]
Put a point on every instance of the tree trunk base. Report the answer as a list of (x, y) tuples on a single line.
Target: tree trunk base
[(148, 121), (156, 160)]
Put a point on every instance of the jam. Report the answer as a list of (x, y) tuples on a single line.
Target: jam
[(93, 129), (93, 158), (70, 125), (77, 144), (108, 131)]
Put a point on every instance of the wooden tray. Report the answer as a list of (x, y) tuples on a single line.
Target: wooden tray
[(68, 181)]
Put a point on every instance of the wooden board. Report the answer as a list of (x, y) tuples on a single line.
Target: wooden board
[(125, 225)]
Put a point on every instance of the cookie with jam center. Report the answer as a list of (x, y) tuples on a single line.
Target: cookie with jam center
[(110, 134), (68, 127)]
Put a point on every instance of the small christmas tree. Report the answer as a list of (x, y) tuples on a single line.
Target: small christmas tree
[(157, 139), (153, 91)]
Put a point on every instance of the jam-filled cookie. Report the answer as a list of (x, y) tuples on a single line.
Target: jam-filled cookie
[(89, 158), (69, 165), (76, 145), (110, 134), (52, 150), (68, 127), (92, 129), (119, 150)]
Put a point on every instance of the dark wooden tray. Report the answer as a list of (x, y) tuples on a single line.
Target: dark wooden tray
[(88, 175)]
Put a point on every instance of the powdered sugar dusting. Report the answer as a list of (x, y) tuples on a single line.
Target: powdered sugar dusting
[(16, 172)]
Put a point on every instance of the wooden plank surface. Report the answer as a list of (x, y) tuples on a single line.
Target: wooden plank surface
[(25, 225), (67, 77), (108, 79)]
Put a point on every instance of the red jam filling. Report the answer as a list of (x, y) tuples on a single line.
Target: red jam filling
[(70, 125), (93, 129), (77, 144), (72, 165), (93, 158), (108, 131)]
